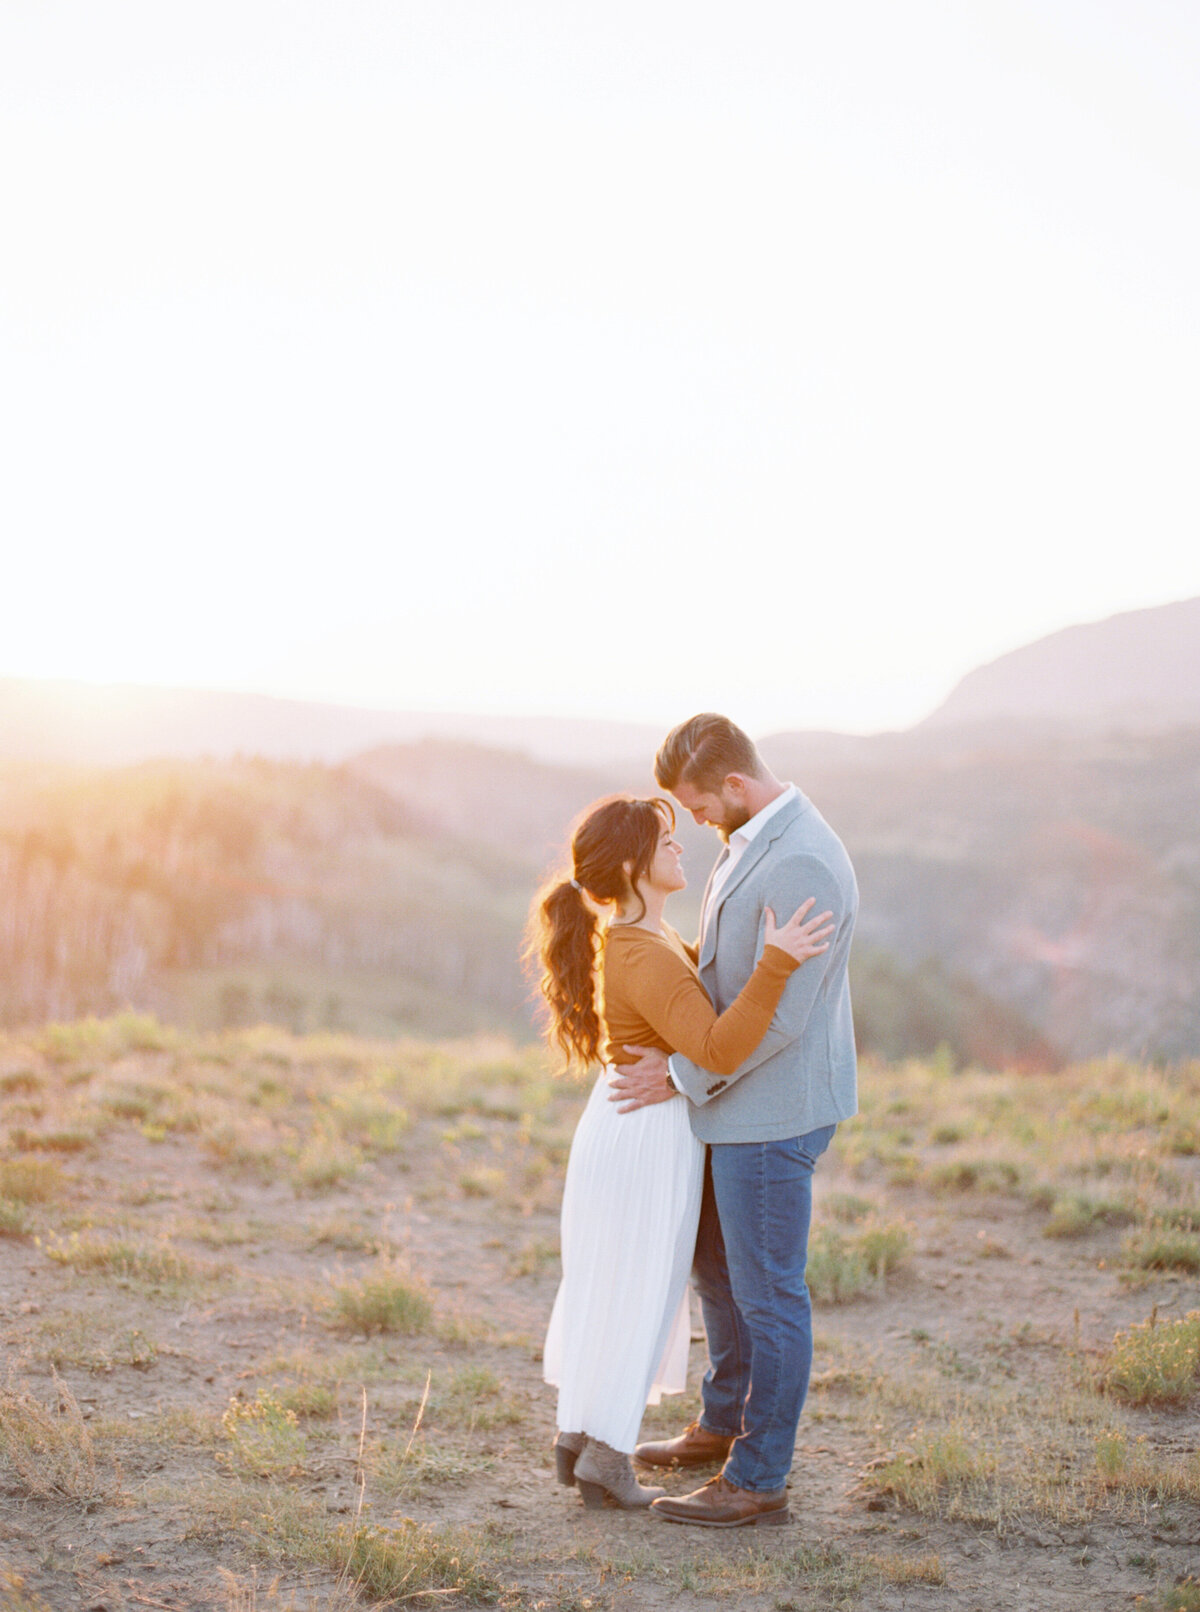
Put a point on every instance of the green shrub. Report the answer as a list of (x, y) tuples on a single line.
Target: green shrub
[(156, 1263), (939, 1463), (67, 1139), (1075, 1214), (946, 1135), (20, 1081), (476, 1398), (847, 1207), (974, 1175), (385, 1302), (370, 1120), (410, 1562), (1162, 1248), (14, 1219), (30, 1180), (848, 1265), (485, 1181), (308, 1401), (837, 1270), (325, 1162), (885, 1246), (1155, 1362), (263, 1436), (1182, 1597)]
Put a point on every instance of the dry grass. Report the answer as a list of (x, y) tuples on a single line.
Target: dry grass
[(971, 1409), (849, 1265), (50, 1449), (76, 1339), (387, 1300), (16, 1596), (264, 1436), (154, 1264), (1135, 1468), (475, 1399), (245, 1593), (14, 1219), (1156, 1362), (1162, 1248), (944, 1474), (31, 1180)]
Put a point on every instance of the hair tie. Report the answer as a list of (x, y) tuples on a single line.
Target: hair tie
[(575, 885)]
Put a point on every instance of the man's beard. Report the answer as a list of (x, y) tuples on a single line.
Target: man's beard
[(735, 817)]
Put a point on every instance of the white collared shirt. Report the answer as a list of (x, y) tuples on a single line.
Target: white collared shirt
[(738, 844)]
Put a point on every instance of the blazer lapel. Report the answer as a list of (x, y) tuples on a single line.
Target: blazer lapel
[(751, 857)]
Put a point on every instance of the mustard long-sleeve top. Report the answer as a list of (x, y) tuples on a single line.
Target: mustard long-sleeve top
[(652, 997)]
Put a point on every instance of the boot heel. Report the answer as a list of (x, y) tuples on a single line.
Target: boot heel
[(773, 1519), (593, 1494), (564, 1464)]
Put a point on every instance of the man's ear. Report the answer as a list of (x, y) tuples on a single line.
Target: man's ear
[(736, 783)]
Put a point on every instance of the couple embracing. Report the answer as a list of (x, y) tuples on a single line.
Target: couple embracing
[(727, 1067)]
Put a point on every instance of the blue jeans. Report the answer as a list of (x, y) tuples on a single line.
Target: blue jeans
[(751, 1252)]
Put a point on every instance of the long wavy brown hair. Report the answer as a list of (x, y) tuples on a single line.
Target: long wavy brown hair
[(562, 936)]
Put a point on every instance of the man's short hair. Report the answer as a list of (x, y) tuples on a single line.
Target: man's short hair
[(703, 751)]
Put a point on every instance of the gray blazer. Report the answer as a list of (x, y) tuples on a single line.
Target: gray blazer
[(803, 1073)]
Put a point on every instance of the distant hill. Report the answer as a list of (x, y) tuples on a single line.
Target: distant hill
[(1054, 878), (1137, 671), (1024, 899), (233, 892), (388, 895), (116, 724), (522, 807), (1029, 857), (489, 797)]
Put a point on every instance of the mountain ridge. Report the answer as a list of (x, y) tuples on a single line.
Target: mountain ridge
[(1139, 670), (1136, 670)]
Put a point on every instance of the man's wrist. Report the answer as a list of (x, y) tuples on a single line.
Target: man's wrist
[(670, 1078)]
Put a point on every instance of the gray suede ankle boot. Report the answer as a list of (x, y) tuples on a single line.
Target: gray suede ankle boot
[(602, 1472), (567, 1449)]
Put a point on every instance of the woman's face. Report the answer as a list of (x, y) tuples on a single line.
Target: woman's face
[(666, 870)]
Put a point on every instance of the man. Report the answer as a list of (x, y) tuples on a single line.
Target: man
[(766, 1124)]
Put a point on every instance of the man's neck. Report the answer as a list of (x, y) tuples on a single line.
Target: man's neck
[(761, 792)]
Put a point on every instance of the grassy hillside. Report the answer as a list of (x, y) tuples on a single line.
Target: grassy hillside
[(1023, 902), (273, 1306), (234, 892)]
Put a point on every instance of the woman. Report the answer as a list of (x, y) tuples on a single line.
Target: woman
[(619, 1334)]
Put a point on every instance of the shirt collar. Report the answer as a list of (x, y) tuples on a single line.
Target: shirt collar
[(751, 829)]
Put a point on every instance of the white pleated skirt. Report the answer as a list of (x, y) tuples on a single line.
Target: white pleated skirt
[(619, 1332)]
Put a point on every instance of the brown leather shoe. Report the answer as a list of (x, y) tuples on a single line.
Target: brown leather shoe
[(719, 1504), (695, 1446)]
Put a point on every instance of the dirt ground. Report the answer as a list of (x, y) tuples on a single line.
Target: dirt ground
[(985, 1305)]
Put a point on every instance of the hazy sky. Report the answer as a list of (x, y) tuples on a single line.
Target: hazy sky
[(623, 359)]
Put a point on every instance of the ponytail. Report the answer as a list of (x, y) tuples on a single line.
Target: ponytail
[(563, 943)]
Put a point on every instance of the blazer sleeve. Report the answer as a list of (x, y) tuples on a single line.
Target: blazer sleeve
[(792, 880), (665, 992)]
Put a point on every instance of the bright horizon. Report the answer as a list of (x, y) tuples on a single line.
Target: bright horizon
[(449, 715), (611, 364)]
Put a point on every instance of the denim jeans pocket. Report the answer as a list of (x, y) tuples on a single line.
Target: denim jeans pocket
[(811, 1145)]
